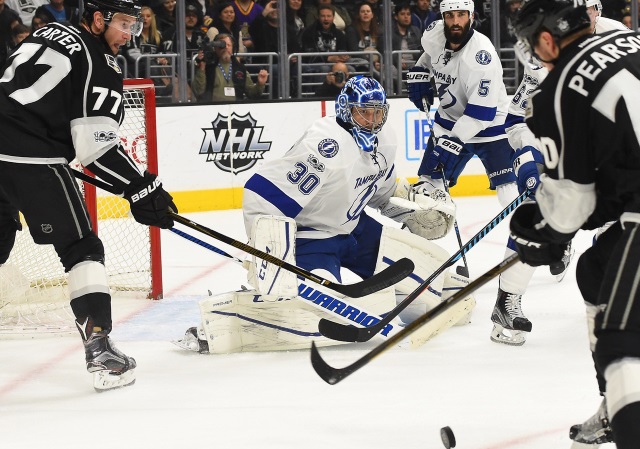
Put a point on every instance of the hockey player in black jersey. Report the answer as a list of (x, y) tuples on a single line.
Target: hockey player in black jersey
[(586, 118), (61, 99)]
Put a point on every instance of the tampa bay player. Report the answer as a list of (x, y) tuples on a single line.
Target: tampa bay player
[(308, 208), (61, 99), (461, 67)]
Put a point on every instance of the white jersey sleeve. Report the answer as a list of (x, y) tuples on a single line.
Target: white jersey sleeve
[(604, 24), (324, 181)]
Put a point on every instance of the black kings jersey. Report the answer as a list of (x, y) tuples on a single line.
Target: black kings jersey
[(60, 98), (586, 117)]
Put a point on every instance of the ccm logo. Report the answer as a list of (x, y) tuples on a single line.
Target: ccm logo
[(146, 191)]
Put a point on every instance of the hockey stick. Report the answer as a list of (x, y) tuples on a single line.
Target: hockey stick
[(464, 271), (335, 306), (337, 331), (333, 375), (379, 281)]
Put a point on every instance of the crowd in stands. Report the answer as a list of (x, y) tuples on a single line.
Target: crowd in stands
[(251, 26)]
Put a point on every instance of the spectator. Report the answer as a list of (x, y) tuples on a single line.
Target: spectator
[(405, 37), (322, 37), (221, 77), (334, 81), (18, 34), (58, 12), (247, 11), (38, 21), (422, 15), (195, 36), (264, 29), (342, 18), (225, 22), (507, 33), (26, 9), (165, 15), (8, 20), (376, 7), (295, 21), (363, 35), (149, 42)]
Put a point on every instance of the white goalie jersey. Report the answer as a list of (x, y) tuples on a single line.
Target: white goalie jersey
[(324, 181), (473, 98)]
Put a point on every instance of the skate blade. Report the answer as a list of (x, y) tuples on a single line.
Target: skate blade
[(508, 336), (188, 345), (560, 276), (104, 380)]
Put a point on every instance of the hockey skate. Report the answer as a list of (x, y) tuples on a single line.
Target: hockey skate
[(510, 325), (193, 340), (560, 271), (594, 431), (110, 367)]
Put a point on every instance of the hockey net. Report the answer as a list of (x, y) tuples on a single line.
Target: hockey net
[(34, 298)]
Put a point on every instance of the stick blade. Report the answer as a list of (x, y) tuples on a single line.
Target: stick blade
[(347, 332), (326, 372), (386, 278)]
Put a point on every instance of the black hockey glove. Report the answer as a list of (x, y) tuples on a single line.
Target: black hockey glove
[(150, 203), (534, 246)]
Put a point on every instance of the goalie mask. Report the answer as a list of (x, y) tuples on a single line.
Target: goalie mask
[(125, 15), (362, 104)]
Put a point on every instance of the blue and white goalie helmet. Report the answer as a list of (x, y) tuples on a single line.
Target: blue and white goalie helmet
[(365, 98)]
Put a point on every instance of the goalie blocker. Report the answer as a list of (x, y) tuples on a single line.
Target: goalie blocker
[(271, 318)]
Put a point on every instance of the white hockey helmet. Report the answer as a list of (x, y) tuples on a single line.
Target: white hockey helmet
[(457, 5), (597, 5)]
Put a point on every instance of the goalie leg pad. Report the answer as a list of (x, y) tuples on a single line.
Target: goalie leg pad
[(453, 283), (427, 257), (245, 321), (276, 236)]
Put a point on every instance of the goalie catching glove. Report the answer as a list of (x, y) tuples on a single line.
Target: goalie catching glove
[(426, 210), (150, 203)]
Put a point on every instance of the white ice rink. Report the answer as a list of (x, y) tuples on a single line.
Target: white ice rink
[(492, 396)]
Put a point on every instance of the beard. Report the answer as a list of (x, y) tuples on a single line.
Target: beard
[(457, 39)]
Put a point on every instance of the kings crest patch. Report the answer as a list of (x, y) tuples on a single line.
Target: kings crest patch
[(483, 57), (111, 62), (328, 148)]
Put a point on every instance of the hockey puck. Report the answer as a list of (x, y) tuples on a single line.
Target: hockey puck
[(448, 439)]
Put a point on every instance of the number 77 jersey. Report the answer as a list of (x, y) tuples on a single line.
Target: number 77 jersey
[(60, 98)]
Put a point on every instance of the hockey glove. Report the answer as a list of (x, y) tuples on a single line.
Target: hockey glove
[(525, 166), (444, 154), (534, 246), (150, 203), (420, 88)]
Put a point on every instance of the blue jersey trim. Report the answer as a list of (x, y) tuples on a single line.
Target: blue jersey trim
[(480, 112), (269, 191), (492, 131)]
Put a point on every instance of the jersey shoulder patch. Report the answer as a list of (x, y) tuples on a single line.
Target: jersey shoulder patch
[(111, 62), (328, 148), (483, 57)]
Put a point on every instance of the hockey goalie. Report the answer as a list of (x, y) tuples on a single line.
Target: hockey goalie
[(308, 209)]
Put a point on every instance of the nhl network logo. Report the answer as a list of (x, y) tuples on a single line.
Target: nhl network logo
[(234, 148)]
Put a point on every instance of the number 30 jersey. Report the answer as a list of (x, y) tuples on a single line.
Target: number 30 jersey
[(60, 98)]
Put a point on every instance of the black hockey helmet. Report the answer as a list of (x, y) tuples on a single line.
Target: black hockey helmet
[(110, 8), (561, 18)]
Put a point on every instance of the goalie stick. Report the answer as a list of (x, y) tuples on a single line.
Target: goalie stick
[(464, 270), (379, 281), (333, 375), (340, 332)]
